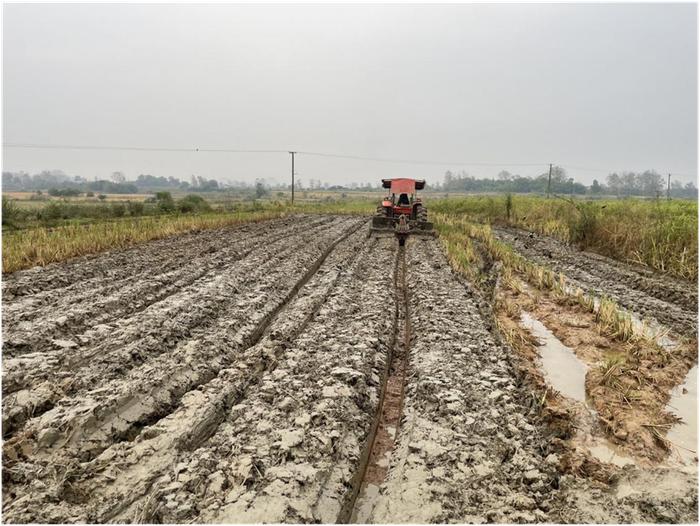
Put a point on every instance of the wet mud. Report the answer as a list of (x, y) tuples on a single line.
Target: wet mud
[(293, 370)]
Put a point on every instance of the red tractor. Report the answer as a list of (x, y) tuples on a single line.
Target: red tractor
[(402, 210)]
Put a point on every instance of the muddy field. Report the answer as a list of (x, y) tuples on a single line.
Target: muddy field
[(669, 301), (297, 370)]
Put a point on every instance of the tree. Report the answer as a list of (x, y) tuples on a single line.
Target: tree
[(650, 182), (628, 183), (193, 203), (690, 190), (615, 183), (260, 189), (118, 177), (448, 180), (596, 188), (165, 201), (504, 175)]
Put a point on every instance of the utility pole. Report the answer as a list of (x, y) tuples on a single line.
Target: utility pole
[(549, 181), (292, 153), (668, 188)]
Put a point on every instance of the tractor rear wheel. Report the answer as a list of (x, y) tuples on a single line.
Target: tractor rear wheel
[(422, 214), (381, 212)]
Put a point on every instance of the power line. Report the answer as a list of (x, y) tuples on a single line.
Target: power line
[(309, 153), (585, 169), (134, 148), (413, 161), (227, 150)]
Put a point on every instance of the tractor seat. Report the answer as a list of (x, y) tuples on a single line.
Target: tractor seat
[(403, 199)]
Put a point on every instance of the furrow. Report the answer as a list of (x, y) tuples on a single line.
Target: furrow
[(236, 299), (670, 301), (122, 264), (35, 321), (466, 450), (302, 427), (196, 411)]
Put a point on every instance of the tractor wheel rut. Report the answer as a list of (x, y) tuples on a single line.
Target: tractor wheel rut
[(375, 467), (50, 320)]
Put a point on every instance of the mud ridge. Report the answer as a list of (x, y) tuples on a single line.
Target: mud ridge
[(106, 421), (672, 302), (32, 322), (112, 358), (55, 324), (211, 412)]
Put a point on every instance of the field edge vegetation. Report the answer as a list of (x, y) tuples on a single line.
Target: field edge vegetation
[(27, 248), (659, 234)]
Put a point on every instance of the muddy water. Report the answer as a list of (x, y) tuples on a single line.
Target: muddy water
[(653, 330), (673, 302), (567, 374), (562, 368), (607, 452), (684, 403)]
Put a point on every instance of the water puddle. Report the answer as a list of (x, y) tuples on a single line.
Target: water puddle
[(684, 403), (607, 452), (654, 331), (561, 367), (566, 373)]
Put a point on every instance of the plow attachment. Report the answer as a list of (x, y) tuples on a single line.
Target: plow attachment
[(401, 227)]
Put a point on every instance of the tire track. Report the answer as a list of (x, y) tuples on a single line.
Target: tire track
[(466, 450), (321, 389), (175, 312), (374, 464), (68, 320), (119, 265)]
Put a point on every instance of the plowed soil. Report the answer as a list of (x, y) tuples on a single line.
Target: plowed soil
[(294, 370)]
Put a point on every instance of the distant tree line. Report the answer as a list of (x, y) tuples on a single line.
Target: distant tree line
[(61, 182), (648, 183)]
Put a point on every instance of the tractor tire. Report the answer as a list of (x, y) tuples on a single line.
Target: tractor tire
[(422, 214), (380, 212)]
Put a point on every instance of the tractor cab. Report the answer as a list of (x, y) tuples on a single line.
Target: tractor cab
[(402, 199)]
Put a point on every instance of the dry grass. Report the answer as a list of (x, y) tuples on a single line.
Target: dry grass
[(41, 246), (657, 233), (611, 319)]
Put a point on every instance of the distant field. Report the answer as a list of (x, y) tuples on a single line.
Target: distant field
[(27, 196)]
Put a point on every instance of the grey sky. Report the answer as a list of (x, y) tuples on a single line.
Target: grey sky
[(598, 86)]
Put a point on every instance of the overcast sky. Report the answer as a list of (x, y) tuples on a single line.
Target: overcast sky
[(594, 86)]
